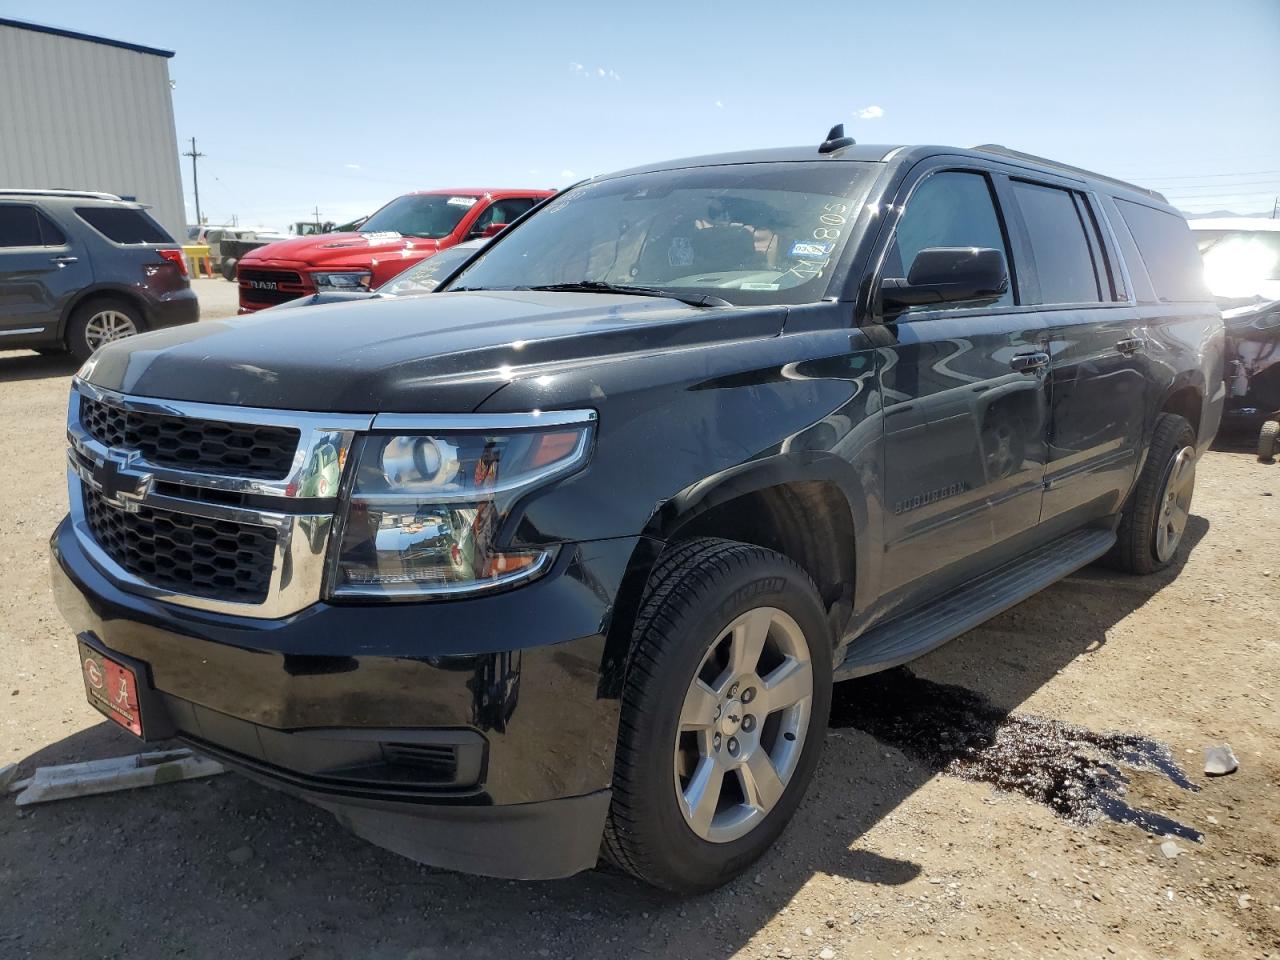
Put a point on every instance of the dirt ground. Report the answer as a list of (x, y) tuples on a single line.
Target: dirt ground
[(888, 857)]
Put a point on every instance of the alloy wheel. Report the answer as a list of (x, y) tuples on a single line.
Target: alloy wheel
[(106, 326), (1175, 503), (743, 724)]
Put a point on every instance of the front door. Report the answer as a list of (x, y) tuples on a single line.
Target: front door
[(966, 401), (39, 270)]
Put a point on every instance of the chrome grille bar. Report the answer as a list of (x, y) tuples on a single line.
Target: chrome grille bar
[(301, 537)]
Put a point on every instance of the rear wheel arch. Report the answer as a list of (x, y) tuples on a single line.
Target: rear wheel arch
[(105, 293), (1185, 400)]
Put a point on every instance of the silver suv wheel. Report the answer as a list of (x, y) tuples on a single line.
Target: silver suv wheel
[(1175, 503), (743, 724), (107, 325)]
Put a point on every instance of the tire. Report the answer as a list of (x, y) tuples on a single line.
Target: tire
[(687, 718), (95, 322), (228, 269), (1150, 532), (1268, 441)]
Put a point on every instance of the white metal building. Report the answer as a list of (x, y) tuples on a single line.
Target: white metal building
[(87, 113)]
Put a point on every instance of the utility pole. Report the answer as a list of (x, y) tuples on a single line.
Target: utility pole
[(195, 177), (316, 213), (1275, 207)]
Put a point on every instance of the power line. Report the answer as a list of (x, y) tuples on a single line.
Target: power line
[(1219, 186), (1205, 176)]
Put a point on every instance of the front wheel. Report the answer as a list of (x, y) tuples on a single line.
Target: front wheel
[(724, 712)]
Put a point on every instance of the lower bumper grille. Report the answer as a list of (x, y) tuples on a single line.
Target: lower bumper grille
[(215, 559)]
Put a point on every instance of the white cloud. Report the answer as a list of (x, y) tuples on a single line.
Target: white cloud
[(534, 171), (719, 104), (567, 174), (869, 113), (599, 73), (353, 166)]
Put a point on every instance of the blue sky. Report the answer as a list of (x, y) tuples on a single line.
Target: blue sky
[(345, 105)]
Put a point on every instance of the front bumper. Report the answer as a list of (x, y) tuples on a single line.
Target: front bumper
[(470, 734)]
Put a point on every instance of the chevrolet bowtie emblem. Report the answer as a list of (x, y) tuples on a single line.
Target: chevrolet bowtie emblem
[(117, 483)]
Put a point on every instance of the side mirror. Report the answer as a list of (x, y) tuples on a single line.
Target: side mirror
[(492, 230), (948, 275)]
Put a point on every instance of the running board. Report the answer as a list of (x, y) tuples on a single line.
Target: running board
[(916, 633)]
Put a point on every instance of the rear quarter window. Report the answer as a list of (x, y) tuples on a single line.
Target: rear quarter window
[(1168, 251), (124, 225)]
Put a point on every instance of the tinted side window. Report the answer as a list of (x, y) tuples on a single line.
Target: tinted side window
[(50, 232), (951, 209), (123, 225), (1168, 251), (19, 226), (1064, 262)]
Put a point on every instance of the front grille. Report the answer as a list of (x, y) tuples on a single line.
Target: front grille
[(215, 559), (269, 287), (209, 446)]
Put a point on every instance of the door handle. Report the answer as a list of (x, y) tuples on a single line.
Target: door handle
[(1130, 345), (1029, 362), (63, 261)]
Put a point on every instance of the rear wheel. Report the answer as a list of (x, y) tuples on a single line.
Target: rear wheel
[(1268, 441), (1155, 518), (101, 321), (724, 711), (229, 268)]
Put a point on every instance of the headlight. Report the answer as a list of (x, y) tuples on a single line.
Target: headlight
[(425, 510), (342, 280)]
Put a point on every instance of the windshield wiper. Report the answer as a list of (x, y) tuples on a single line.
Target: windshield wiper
[(601, 286)]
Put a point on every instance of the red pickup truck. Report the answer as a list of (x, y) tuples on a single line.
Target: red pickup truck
[(405, 231)]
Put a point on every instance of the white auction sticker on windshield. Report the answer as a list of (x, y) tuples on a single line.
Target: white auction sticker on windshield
[(463, 201), (810, 250)]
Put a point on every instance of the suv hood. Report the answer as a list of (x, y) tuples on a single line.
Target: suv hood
[(439, 353), (339, 248)]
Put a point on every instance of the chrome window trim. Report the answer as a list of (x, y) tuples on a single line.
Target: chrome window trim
[(441, 422)]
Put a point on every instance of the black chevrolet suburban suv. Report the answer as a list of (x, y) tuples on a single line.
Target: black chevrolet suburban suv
[(564, 559), (80, 269)]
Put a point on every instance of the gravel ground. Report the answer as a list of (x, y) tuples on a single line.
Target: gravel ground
[(899, 850)]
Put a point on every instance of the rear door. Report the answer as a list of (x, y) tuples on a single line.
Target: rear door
[(966, 398), (40, 269), (1096, 374)]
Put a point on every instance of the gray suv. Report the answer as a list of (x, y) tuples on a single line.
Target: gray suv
[(80, 269)]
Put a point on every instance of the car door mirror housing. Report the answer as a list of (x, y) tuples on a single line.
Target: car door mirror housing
[(948, 275)]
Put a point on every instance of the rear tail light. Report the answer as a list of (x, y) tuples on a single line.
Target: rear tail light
[(178, 257)]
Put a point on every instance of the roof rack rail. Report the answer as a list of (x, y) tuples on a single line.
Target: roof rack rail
[(56, 192), (1002, 151)]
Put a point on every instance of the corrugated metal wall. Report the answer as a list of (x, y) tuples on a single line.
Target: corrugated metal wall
[(87, 116)]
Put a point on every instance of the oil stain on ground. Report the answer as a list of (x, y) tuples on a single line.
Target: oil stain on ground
[(1072, 770)]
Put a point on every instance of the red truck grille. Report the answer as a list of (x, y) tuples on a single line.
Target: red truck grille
[(266, 288)]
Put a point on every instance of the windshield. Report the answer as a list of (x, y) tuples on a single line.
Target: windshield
[(747, 233), (416, 215), (1238, 262), (424, 277)]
